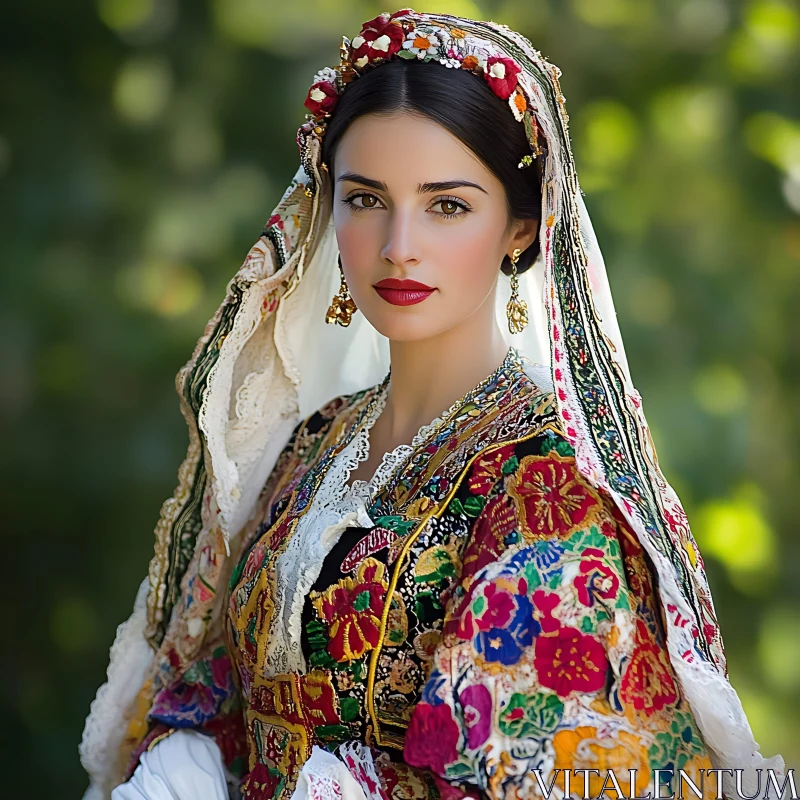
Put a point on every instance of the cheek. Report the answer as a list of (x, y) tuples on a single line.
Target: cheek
[(358, 242), (470, 257)]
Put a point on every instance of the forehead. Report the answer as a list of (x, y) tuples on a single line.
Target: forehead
[(405, 149)]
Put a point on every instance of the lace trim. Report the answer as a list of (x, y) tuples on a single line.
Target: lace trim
[(130, 657), (325, 777), (333, 508), (358, 759)]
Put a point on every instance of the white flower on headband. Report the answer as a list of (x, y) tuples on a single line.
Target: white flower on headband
[(421, 44), (381, 44), (452, 63), (498, 70), (327, 75)]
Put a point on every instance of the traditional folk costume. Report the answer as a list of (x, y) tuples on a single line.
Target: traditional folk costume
[(515, 591)]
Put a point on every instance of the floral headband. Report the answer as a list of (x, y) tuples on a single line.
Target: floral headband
[(399, 35)]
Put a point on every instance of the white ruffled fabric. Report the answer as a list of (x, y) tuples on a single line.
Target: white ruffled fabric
[(186, 765)]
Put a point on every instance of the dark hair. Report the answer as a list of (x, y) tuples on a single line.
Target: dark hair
[(462, 103)]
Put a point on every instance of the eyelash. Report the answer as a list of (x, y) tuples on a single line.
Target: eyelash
[(447, 199)]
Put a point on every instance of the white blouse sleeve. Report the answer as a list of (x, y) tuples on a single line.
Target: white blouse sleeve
[(185, 765)]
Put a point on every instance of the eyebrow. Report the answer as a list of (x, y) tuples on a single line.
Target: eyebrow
[(422, 188)]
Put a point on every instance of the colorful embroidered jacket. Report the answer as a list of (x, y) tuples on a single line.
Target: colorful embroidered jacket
[(492, 616)]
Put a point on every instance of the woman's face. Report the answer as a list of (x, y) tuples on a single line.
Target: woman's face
[(412, 203)]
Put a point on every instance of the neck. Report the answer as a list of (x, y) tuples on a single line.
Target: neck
[(428, 376)]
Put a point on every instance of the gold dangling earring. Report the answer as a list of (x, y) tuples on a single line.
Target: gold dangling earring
[(342, 306), (516, 310)]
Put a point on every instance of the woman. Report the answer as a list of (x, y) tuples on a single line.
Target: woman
[(349, 600)]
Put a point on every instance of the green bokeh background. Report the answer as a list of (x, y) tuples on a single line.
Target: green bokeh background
[(144, 143)]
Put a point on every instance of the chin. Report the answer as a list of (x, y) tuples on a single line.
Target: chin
[(403, 327)]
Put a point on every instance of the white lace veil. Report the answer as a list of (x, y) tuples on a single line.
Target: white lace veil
[(267, 359)]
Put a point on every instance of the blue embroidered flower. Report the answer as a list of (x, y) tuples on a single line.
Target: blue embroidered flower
[(505, 644)]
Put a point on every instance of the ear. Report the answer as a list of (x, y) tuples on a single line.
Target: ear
[(525, 232)]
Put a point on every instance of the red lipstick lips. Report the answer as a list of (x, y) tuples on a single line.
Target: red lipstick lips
[(402, 292)]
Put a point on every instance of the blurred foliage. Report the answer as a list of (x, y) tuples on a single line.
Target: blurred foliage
[(143, 144)]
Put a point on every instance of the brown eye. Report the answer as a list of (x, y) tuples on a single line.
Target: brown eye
[(450, 208), (369, 200)]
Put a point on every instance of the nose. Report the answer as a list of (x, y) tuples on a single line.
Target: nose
[(400, 248)]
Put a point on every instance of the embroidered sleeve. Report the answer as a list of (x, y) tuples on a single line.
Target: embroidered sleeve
[(204, 698), (553, 658)]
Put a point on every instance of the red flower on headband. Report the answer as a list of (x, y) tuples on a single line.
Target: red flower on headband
[(501, 75), (382, 20), (322, 98), (380, 38)]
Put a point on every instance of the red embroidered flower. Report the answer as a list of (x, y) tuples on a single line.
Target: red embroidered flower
[(544, 603), (353, 608), (570, 661), (501, 75), (495, 522), (550, 495), (431, 738), (322, 98), (380, 39), (493, 609), (595, 579), (647, 681), (487, 469)]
